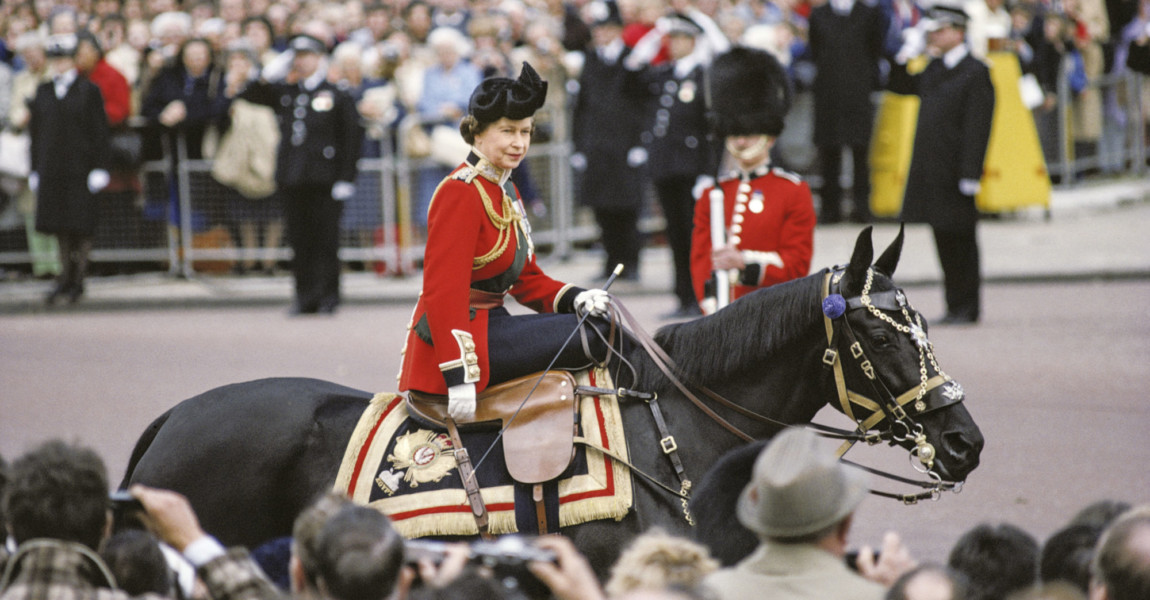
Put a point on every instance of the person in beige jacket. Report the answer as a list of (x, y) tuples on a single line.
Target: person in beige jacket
[(43, 248), (800, 502)]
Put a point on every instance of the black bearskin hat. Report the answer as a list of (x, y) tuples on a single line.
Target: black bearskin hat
[(750, 93), (515, 99)]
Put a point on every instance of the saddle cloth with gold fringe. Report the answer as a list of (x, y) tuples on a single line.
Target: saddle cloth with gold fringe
[(406, 469)]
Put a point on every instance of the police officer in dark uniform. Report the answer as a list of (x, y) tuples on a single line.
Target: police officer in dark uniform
[(606, 123), (320, 142), (676, 140)]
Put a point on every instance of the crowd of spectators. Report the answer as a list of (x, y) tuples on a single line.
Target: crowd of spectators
[(68, 538), (400, 57)]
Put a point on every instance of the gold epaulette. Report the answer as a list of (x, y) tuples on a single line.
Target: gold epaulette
[(465, 174)]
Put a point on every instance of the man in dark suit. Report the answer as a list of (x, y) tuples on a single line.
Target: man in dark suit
[(676, 139), (70, 144), (957, 106), (605, 130), (320, 142), (846, 38)]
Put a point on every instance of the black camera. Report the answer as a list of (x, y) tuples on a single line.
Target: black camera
[(506, 558), (122, 501)]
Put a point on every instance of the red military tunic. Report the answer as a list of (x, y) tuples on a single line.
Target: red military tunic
[(472, 241), (768, 210)]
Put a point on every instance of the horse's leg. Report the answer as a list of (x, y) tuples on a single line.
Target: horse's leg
[(602, 541)]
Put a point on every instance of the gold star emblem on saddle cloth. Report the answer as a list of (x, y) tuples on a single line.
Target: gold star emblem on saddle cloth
[(428, 456)]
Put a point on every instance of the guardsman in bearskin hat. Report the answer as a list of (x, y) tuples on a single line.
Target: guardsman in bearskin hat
[(479, 249), (768, 214)]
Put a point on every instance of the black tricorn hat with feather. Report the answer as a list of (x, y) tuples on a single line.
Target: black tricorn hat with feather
[(515, 99), (750, 93)]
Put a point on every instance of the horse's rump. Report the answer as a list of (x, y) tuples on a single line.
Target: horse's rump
[(406, 468)]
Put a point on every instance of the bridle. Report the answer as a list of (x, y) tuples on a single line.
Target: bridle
[(882, 404)]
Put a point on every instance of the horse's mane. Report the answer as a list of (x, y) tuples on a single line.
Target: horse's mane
[(716, 347)]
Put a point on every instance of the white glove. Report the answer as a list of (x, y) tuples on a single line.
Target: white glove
[(969, 187), (342, 190), (97, 180), (278, 67), (913, 44), (461, 401), (592, 301), (33, 181)]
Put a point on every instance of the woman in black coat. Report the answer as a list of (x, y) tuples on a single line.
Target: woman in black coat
[(69, 153)]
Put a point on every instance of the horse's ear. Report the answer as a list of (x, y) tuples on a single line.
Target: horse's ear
[(888, 262), (860, 262)]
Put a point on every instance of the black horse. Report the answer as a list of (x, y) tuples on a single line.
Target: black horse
[(250, 456)]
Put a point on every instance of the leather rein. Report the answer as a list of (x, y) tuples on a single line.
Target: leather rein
[(890, 407)]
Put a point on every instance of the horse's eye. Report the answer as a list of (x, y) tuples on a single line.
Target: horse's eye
[(880, 340)]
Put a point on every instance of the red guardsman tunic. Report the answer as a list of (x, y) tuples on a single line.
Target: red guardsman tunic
[(478, 249), (770, 218)]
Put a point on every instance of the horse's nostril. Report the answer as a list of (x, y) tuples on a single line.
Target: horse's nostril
[(963, 447)]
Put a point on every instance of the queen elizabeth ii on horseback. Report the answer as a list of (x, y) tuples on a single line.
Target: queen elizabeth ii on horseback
[(461, 339)]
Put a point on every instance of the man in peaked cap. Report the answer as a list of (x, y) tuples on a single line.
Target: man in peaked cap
[(69, 160), (954, 118), (606, 123), (768, 214), (800, 502), (320, 142), (675, 136)]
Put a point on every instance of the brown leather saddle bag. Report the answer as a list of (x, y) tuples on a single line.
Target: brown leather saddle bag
[(539, 441)]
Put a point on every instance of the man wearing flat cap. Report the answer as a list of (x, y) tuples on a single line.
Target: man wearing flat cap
[(800, 502), (320, 142)]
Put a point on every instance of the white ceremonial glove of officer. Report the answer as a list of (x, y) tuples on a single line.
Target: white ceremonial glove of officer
[(97, 180), (969, 187), (277, 68), (593, 302), (461, 401), (342, 190), (33, 181), (913, 44)]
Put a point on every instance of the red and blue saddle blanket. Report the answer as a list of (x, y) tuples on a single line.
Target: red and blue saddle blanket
[(406, 469)]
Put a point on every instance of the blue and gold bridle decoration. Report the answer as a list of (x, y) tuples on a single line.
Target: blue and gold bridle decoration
[(882, 404)]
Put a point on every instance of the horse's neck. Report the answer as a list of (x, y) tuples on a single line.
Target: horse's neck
[(787, 386)]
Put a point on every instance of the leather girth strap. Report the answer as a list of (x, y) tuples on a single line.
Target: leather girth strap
[(470, 484), (540, 508)]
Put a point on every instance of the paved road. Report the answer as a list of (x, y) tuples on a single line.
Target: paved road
[(1094, 231), (1056, 377)]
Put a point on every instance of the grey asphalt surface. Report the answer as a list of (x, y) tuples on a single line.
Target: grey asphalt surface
[(1093, 231), (1056, 373)]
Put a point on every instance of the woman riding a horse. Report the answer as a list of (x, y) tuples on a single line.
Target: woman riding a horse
[(461, 339)]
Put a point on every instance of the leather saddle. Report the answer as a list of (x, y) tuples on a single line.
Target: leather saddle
[(539, 442)]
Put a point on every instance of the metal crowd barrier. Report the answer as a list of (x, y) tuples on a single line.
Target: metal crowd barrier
[(200, 232)]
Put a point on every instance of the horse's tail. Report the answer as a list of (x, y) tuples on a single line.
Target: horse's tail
[(142, 446)]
